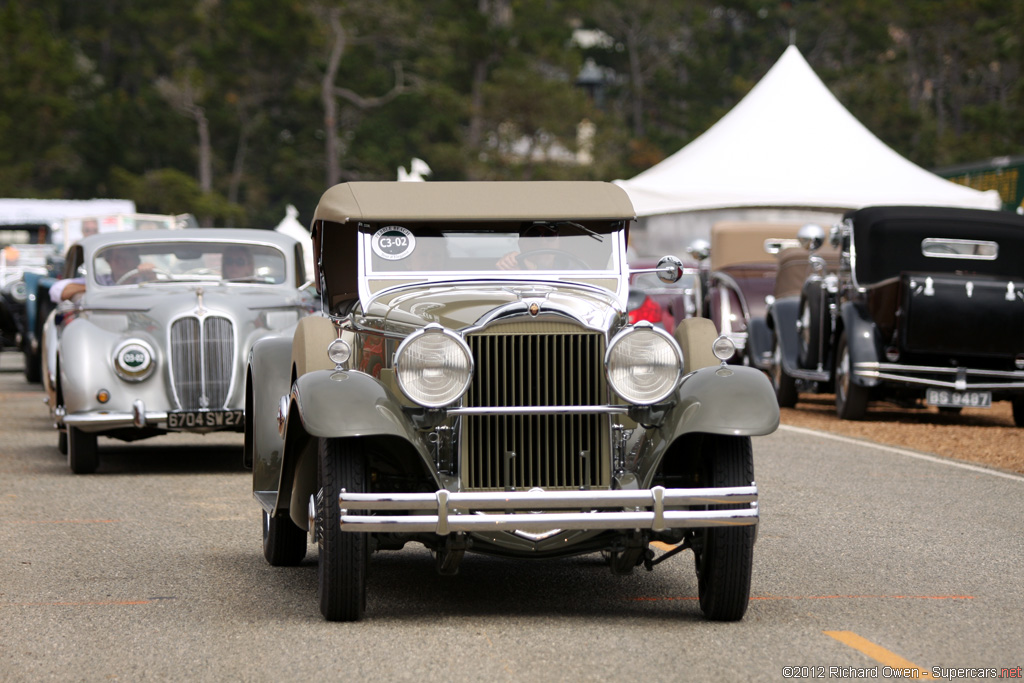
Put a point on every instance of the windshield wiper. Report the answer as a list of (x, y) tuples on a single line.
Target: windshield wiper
[(597, 236)]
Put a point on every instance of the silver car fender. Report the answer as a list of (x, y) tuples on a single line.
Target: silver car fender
[(724, 399), (268, 379), (336, 404)]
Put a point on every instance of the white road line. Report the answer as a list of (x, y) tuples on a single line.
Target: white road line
[(903, 451)]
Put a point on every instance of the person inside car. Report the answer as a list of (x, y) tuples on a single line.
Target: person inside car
[(237, 264), (122, 261)]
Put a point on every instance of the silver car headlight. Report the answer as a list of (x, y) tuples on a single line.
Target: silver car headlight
[(644, 364), (433, 366), (134, 360)]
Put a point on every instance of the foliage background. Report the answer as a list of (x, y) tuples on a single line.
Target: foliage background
[(232, 109)]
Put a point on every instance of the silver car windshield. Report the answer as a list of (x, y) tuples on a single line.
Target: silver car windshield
[(534, 248), (175, 262)]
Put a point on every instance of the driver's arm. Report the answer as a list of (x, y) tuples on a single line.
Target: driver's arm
[(508, 261)]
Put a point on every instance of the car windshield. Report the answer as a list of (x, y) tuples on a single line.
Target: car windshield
[(540, 247), (171, 262)]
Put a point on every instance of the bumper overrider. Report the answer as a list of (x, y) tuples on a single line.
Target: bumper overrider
[(957, 379), (444, 512)]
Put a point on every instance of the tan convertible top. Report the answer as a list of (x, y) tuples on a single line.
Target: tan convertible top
[(474, 201)]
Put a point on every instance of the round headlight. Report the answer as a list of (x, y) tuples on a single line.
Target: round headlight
[(433, 366), (133, 360), (644, 364)]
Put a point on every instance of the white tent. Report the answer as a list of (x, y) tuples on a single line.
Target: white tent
[(291, 226), (789, 144)]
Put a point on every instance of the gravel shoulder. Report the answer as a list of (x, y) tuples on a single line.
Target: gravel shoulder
[(985, 436)]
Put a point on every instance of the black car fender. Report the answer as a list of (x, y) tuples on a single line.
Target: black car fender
[(862, 339), (782, 319)]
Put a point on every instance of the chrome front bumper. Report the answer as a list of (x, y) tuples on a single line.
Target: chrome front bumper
[(957, 379), (139, 417), (536, 511)]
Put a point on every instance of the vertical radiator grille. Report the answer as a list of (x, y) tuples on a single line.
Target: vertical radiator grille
[(202, 361), (552, 369)]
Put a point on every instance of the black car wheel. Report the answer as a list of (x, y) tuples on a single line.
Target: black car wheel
[(784, 384), (33, 364), (851, 398), (83, 456), (725, 555), (1018, 412), (284, 543), (341, 573)]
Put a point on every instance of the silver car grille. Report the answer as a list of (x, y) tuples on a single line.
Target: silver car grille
[(561, 367), (202, 361)]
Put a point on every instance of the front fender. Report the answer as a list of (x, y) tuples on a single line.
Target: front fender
[(862, 339), (731, 399), (346, 403), (341, 404), (268, 378), (783, 320), (759, 343), (726, 399)]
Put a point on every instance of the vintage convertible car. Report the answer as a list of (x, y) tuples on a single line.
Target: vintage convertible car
[(158, 340), (738, 271), (924, 307), (476, 387)]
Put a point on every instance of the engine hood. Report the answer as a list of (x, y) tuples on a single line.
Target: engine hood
[(187, 297), (466, 305)]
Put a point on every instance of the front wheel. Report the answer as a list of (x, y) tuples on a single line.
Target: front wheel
[(724, 555), (284, 543), (341, 574), (851, 398), (1018, 412), (83, 456)]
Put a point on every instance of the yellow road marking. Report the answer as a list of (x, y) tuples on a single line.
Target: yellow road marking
[(877, 652)]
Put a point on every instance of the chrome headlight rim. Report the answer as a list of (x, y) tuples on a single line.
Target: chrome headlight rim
[(660, 336), (123, 363), (459, 386)]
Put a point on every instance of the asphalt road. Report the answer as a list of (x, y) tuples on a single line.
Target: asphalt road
[(151, 569)]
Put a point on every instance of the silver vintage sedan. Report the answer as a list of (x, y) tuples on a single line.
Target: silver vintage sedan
[(477, 387), (153, 328)]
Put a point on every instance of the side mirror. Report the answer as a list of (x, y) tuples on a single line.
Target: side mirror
[(811, 236), (670, 269), (699, 250)]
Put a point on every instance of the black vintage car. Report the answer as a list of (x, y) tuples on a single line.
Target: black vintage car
[(926, 307)]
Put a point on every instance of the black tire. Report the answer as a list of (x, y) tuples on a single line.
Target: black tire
[(810, 328), (284, 543), (784, 384), (1018, 412), (33, 365), (341, 573), (724, 556), (83, 456), (62, 442), (851, 398)]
